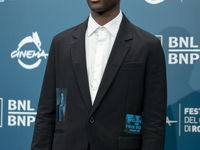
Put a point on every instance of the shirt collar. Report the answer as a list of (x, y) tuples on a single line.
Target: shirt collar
[(112, 26)]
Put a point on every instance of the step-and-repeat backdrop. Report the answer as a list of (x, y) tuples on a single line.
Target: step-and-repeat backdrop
[(28, 26)]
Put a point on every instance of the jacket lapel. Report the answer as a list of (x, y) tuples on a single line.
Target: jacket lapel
[(118, 53), (79, 63)]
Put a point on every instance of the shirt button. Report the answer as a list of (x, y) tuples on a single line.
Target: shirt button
[(91, 120)]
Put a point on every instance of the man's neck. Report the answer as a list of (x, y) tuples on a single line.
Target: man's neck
[(103, 18)]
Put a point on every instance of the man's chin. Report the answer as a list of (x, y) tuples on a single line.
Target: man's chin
[(99, 11)]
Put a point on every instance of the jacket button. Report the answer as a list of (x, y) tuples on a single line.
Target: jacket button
[(91, 120)]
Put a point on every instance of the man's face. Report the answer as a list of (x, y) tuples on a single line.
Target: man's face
[(101, 6)]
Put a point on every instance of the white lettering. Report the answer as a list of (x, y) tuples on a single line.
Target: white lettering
[(21, 105), (184, 58), (193, 57), (194, 129), (187, 128), (30, 119), (192, 111), (173, 42), (28, 54), (12, 105), (187, 120), (172, 58), (11, 120), (21, 120), (187, 42), (191, 120), (183, 41), (192, 43), (29, 106), (186, 111)]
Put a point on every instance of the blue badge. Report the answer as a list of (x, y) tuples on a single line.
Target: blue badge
[(133, 124), (61, 98)]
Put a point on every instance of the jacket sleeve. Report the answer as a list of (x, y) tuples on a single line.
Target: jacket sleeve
[(46, 112), (155, 100)]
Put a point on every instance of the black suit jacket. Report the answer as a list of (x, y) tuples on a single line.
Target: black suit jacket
[(134, 84)]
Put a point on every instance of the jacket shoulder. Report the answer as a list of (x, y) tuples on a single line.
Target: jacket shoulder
[(67, 34), (143, 35)]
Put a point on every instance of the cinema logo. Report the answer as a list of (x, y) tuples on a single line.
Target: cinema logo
[(192, 119), (154, 1), (182, 50), (24, 55), (170, 122), (20, 113)]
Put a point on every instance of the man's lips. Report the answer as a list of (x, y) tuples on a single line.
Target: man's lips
[(94, 1)]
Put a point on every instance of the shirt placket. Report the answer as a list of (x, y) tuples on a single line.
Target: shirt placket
[(98, 61)]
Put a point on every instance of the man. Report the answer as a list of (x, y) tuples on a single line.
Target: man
[(112, 75)]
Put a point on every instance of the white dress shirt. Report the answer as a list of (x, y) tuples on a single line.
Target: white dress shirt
[(99, 41)]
